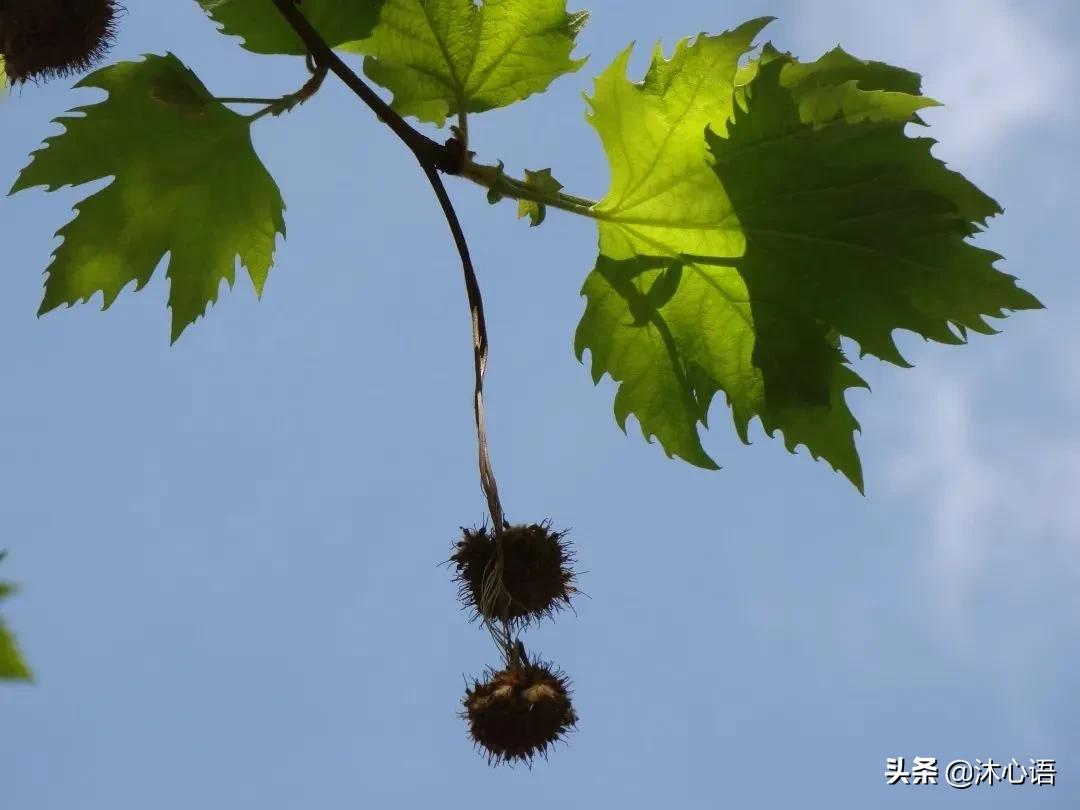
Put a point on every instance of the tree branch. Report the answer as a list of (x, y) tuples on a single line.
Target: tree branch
[(446, 158)]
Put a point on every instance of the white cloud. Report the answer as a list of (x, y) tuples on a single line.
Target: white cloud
[(996, 64), (942, 463), (1000, 540), (1002, 494), (987, 455), (999, 491)]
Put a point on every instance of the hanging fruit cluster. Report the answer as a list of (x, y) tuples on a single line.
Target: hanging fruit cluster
[(510, 578), (45, 39)]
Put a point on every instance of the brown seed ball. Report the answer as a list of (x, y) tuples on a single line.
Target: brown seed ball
[(519, 712), (537, 576), (44, 39)]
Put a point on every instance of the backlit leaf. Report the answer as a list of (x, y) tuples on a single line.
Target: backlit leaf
[(543, 182), (810, 216), (186, 182), (439, 57)]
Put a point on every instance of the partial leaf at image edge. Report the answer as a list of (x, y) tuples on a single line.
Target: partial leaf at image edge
[(773, 231), (444, 57), (186, 182), (263, 30), (12, 665)]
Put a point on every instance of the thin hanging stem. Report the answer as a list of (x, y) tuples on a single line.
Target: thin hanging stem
[(480, 347), (433, 158)]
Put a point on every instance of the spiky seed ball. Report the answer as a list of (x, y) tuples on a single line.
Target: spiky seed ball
[(519, 712), (537, 575), (44, 39)]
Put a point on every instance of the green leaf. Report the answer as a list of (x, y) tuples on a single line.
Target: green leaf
[(543, 182), (811, 216), (265, 31), (443, 57), (834, 68), (494, 194), (176, 90), (12, 665), (858, 225), (809, 80), (187, 182), (662, 191)]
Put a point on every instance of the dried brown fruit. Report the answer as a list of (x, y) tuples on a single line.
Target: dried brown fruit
[(44, 39), (519, 712), (537, 574)]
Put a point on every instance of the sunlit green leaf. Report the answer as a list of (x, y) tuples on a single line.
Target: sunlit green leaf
[(187, 183), (810, 216), (543, 182), (440, 57)]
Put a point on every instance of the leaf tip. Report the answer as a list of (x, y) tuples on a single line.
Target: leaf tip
[(710, 464)]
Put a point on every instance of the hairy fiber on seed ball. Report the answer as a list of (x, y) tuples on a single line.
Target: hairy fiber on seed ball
[(537, 574), (45, 39), (519, 712)]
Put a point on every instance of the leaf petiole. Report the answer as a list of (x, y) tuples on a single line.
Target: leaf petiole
[(495, 179), (277, 106)]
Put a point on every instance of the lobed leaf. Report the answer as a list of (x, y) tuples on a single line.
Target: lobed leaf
[(186, 182), (443, 57), (805, 215)]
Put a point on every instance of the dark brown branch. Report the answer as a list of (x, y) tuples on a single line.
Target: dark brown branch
[(444, 157)]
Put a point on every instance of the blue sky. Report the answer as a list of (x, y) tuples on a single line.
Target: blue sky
[(228, 547)]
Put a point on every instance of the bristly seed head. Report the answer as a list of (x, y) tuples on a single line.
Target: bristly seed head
[(537, 574), (46, 39), (519, 712)]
